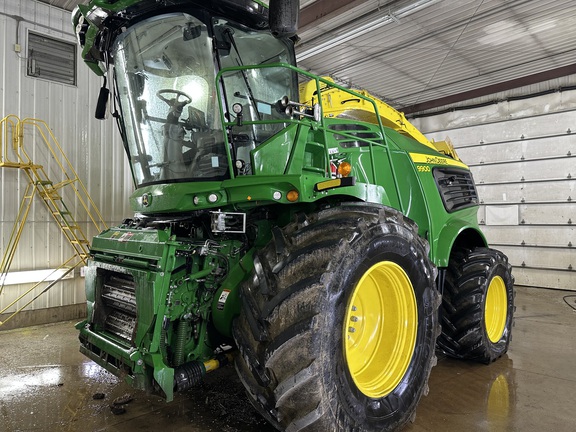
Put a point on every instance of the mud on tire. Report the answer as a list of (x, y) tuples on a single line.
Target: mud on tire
[(291, 330)]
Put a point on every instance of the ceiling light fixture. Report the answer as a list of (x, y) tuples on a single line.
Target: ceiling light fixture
[(365, 28)]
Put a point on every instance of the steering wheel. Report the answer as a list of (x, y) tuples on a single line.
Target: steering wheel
[(178, 93)]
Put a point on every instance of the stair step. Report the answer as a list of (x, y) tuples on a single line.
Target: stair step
[(64, 183), (80, 242), (50, 196), (70, 227)]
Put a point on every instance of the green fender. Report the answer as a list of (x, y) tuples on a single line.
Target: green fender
[(456, 231)]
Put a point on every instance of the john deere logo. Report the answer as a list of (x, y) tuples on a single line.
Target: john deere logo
[(146, 198)]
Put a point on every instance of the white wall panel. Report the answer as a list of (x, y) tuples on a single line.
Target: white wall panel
[(515, 192), (530, 236), (523, 158), (93, 147)]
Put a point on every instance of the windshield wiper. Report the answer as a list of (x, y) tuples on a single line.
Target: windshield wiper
[(230, 33)]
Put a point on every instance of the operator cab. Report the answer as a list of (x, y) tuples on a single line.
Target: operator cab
[(166, 71)]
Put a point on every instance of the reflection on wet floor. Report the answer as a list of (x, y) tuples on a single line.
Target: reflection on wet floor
[(532, 388), (47, 385)]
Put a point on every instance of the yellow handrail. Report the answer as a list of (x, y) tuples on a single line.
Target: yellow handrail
[(17, 155), (67, 168), (8, 127)]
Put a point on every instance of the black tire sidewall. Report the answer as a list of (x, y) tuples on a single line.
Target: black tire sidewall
[(401, 247)]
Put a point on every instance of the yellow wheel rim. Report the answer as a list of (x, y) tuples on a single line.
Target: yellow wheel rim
[(496, 309), (380, 329)]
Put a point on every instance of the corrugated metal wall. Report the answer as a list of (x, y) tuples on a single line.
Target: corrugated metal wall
[(93, 147), (520, 153), (523, 157)]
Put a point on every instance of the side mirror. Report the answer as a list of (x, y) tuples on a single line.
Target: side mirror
[(102, 104), (283, 17)]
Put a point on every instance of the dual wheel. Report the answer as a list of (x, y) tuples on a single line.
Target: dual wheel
[(339, 322), (477, 305)]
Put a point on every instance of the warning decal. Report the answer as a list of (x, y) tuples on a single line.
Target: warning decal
[(222, 299)]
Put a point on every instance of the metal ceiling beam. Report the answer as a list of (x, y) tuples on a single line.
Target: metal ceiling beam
[(322, 10), (494, 88)]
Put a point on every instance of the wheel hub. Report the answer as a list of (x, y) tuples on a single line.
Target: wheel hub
[(495, 309)]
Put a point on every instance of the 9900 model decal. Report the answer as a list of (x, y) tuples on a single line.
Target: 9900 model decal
[(421, 158)]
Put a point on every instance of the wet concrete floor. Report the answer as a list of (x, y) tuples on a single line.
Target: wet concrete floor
[(47, 385)]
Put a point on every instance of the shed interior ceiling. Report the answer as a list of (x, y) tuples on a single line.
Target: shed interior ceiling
[(418, 54)]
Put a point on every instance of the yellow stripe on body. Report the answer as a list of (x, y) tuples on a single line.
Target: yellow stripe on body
[(436, 160)]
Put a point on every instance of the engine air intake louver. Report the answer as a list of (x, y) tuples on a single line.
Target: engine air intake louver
[(357, 135), (456, 188)]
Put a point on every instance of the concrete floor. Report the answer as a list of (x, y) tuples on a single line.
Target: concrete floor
[(47, 385)]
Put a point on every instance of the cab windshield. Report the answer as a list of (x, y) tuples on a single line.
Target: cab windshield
[(165, 69)]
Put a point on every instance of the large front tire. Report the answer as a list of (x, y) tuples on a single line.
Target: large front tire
[(339, 322), (477, 305)]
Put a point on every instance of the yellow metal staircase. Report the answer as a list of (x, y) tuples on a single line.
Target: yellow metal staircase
[(15, 153)]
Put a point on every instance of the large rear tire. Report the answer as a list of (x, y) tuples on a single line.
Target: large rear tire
[(477, 305), (339, 322)]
